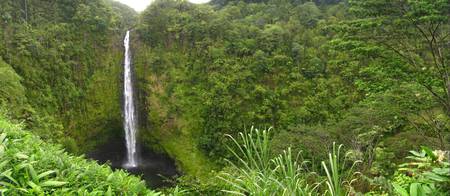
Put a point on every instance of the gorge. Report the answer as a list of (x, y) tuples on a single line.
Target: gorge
[(244, 97)]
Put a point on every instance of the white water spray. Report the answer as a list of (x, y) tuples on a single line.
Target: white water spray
[(129, 111)]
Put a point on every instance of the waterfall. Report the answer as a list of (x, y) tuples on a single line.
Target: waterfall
[(129, 111)]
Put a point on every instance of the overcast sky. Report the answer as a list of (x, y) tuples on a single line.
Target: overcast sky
[(140, 5)]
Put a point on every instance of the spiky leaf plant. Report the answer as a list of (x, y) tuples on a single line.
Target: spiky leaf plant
[(256, 173), (339, 177)]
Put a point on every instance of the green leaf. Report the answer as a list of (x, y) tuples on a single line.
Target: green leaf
[(6, 184), (3, 190), (429, 152), (417, 154), (2, 149), (21, 156), (44, 174), (7, 174), (414, 189), (34, 186), (110, 176), (22, 166), (400, 190), (436, 177), (52, 183), (23, 190), (109, 192), (33, 173), (427, 190), (442, 171), (2, 164), (2, 137)]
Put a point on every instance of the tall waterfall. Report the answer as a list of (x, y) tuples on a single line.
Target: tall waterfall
[(129, 111)]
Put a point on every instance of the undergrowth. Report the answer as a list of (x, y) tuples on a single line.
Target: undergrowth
[(30, 166)]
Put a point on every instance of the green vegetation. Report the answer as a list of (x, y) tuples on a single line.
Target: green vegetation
[(257, 174), (309, 70), (429, 174), (12, 91), (67, 56), (317, 72), (372, 75), (30, 166)]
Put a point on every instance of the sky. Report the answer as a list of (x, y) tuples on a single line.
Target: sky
[(140, 5)]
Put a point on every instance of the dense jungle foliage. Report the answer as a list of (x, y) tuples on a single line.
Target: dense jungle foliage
[(372, 75), (62, 67)]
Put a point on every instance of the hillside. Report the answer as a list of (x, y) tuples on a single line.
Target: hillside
[(245, 97), (68, 61)]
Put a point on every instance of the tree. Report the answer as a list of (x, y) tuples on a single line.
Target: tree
[(418, 31)]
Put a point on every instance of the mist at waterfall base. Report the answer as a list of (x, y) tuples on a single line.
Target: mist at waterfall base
[(126, 153)]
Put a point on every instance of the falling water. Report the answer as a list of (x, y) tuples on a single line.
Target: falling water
[(129, 112)]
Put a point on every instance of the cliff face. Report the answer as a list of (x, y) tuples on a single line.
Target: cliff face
[(165, 125), (68, 56)]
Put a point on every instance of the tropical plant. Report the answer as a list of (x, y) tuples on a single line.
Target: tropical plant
[(428, 173), (293, 175), (177, 191), (256, 173), (339, 177)]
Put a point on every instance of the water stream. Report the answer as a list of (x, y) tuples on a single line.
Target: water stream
[(129, 116), (155, 168)]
